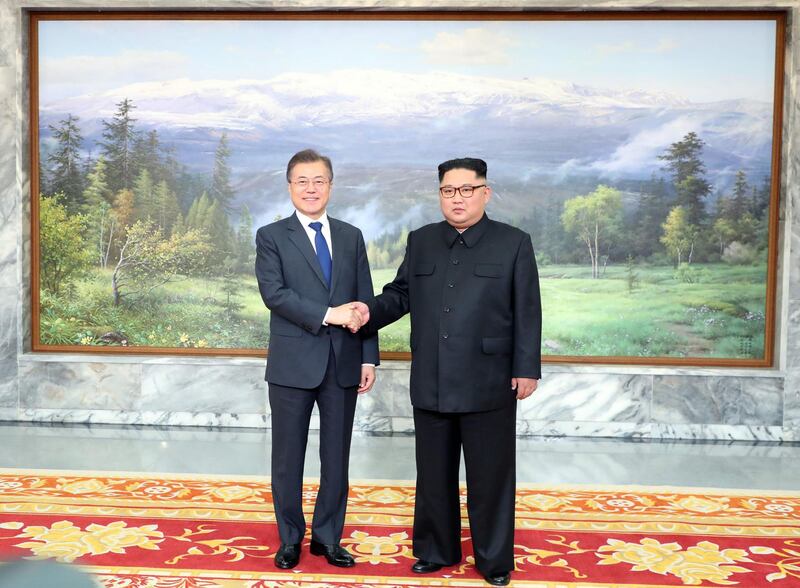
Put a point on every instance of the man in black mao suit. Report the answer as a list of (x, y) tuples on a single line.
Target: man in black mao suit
[(472, 288), (308, 265)]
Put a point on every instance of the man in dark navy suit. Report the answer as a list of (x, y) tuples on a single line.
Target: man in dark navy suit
[(472, 288), (308, 266)]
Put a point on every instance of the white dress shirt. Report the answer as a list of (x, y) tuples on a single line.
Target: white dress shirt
[(312, 234)]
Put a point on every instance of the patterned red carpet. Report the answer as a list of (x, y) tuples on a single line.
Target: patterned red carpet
[(135, 531)]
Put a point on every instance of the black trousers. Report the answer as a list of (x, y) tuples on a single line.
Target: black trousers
[(489, 443), (291, 412)]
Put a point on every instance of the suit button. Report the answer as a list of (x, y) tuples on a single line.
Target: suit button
[(455, 262), (450, 285), (447, 309), (444, 336), (461, 241)]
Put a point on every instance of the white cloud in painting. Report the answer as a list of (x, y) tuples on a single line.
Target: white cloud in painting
[(125, 66), (643, 148), (344, 96), (475, 46)]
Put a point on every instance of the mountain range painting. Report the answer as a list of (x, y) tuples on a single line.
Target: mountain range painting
[(637, 153)]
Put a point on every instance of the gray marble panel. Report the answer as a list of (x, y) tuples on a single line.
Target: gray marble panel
[(392, 384), (794, 256), (8, 251), (373, 411), (589, 397), (203, 389), (791, 400), (730, 401), (582, 429), (8, 322), (5, 46), (792, 335), (124, 417), (80, 386), (9, 391)]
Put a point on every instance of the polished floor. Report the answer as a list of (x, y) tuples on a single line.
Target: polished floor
[(539, 460)]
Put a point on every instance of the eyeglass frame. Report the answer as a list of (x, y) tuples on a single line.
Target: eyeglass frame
[(318, 182), (458, 190)]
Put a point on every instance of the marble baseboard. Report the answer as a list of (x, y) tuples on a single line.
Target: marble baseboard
[(582, 429), (722, 433), (116, 417), (656, 431), (405, 425), (402, 425), (9, 414)]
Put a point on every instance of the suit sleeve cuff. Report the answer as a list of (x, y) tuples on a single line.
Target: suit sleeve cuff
[(325, 318)]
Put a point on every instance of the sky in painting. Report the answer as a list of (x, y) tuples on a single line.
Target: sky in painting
[(699, 60)]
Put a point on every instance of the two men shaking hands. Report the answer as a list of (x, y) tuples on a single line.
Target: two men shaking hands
[(352, 316)]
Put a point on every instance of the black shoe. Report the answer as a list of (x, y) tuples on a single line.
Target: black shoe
[(334, 553), (288, 556), (499, 579), (425, 567)]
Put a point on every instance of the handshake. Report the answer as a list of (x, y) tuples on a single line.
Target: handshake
[(352, 315)]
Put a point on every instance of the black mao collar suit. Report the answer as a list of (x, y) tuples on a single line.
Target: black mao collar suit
[(475, 324)]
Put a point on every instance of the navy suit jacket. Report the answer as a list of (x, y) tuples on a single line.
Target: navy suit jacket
[(293, 288)]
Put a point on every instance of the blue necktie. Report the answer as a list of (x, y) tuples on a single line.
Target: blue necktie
[(323, 253)]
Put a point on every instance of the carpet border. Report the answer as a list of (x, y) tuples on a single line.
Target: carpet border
[(405, 483), (345, 580)]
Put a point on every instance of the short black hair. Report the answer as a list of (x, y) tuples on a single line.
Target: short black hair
[(471, 163), (308, 156)]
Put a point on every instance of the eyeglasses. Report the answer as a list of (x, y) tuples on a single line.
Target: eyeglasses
[(304, 183), (465, 191)]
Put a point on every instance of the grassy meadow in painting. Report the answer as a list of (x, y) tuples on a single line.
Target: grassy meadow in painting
[(639, 168)]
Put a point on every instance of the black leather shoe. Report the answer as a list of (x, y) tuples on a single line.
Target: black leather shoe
[(425, 567), (334, 553), (288, 556), (499, 579)]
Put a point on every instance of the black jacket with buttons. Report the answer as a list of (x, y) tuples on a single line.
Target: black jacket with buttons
[(476, 315)]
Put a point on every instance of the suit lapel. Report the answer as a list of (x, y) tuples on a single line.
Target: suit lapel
[(298, 236), (337, 247)]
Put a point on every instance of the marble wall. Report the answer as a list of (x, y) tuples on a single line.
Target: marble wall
[(574, 400)]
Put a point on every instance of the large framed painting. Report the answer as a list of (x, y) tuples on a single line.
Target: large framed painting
[(641, 151)]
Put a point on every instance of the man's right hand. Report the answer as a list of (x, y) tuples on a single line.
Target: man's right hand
[(346, 315)]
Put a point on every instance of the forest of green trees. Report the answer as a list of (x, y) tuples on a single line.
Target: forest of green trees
[(137, 250), (135, 217)]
